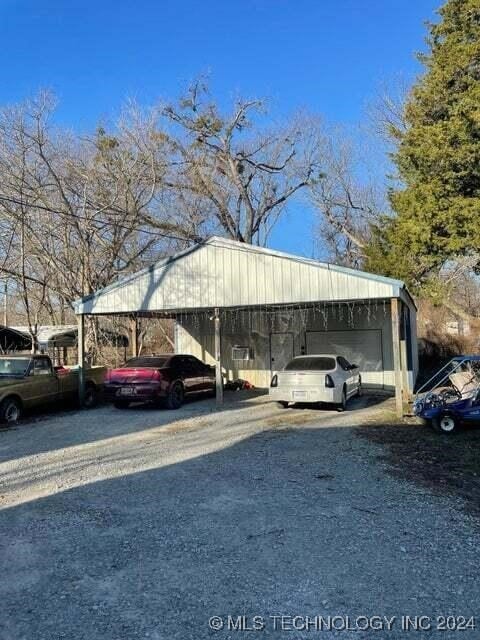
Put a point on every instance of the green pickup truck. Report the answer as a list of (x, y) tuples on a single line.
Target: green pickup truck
[(28, 381)]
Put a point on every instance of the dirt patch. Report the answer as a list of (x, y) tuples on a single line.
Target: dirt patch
[(444, 464), (186, 425), (236, 517), (289, 419)]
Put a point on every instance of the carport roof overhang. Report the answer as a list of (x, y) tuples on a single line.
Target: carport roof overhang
[(221, 273)]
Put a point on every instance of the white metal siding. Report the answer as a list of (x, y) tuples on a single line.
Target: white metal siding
[(225, 274), (196, 337)]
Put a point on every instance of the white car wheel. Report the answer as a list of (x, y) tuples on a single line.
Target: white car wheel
[(343, 404), (359, 390)]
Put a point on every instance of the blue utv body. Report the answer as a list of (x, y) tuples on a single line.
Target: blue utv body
[(453, 397)]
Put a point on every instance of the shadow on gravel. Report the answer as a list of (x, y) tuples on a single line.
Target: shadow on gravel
[(443, 464), (64, 428), (42, 413), (265, 525), (365, 401)]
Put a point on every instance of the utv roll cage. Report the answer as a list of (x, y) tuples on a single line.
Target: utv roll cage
[(458, 379)]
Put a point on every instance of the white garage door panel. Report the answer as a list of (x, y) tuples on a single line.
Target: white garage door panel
[(363, 348), (281, 350)]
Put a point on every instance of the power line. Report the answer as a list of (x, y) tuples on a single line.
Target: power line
[(85, 219), (247, 248)]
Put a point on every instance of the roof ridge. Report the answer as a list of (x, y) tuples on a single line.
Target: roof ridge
[(235, 245), (219, 240)]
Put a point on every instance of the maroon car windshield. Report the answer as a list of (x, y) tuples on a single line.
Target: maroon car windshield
[(150, 362)]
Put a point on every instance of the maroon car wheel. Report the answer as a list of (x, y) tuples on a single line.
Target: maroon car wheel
[(90, 398), (175, 396)]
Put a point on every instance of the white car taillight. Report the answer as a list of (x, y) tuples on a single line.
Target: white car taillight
[(329, 381)]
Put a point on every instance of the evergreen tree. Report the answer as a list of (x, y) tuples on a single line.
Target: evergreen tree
[(438, 158)]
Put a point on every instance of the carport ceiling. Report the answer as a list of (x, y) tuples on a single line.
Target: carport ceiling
[(225, 273)]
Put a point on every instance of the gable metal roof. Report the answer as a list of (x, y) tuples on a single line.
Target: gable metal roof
[(65, 335), (61, 335), (227, 273)]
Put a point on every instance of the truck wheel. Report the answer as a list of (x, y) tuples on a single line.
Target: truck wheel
[(446, 423), (121, 404), (10, 410), (91, 396), (175, 396)]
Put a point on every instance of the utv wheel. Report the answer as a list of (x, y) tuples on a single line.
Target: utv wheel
[(343, 404), (10, 410), (121, 404), (282, 404), (176, 396), (91, 396), (446, 423)]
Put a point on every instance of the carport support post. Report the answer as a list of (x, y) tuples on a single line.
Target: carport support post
[(397, 364), (218, 359), (403, 354), (81, 358), (134, 334)]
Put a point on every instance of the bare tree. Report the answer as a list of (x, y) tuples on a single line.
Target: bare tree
[(349, 198), (347, 204), (77, 212), (385, 112), (72, 210), (243, 174)]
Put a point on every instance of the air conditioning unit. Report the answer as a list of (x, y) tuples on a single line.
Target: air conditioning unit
[(241, 353)]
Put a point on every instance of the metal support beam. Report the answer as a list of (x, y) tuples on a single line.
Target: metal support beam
[(397, 364), (81, 358), (218, 359), (403, 354), (5, 303), (134, 335)]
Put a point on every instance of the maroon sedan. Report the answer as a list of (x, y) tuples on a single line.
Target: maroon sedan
[(163, 379)]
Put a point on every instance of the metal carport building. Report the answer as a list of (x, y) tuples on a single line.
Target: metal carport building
[(248, 310)]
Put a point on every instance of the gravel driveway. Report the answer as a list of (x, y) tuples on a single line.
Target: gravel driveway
[(146, 523)]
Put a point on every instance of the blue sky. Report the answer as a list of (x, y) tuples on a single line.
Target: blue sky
[(328, 56)]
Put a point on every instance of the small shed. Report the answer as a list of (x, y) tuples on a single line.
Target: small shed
[(12, 339), (53, 336), (249, 310), (52, 339)]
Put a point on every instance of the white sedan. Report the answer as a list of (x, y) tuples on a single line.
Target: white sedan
[(317, 378)]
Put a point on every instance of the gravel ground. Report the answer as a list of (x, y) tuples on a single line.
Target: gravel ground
[(145, 523)]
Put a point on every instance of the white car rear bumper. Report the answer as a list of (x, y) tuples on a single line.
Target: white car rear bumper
[(305, 394)]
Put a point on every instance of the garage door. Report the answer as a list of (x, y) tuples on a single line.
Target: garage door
[(363, 348), (281, 350)]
